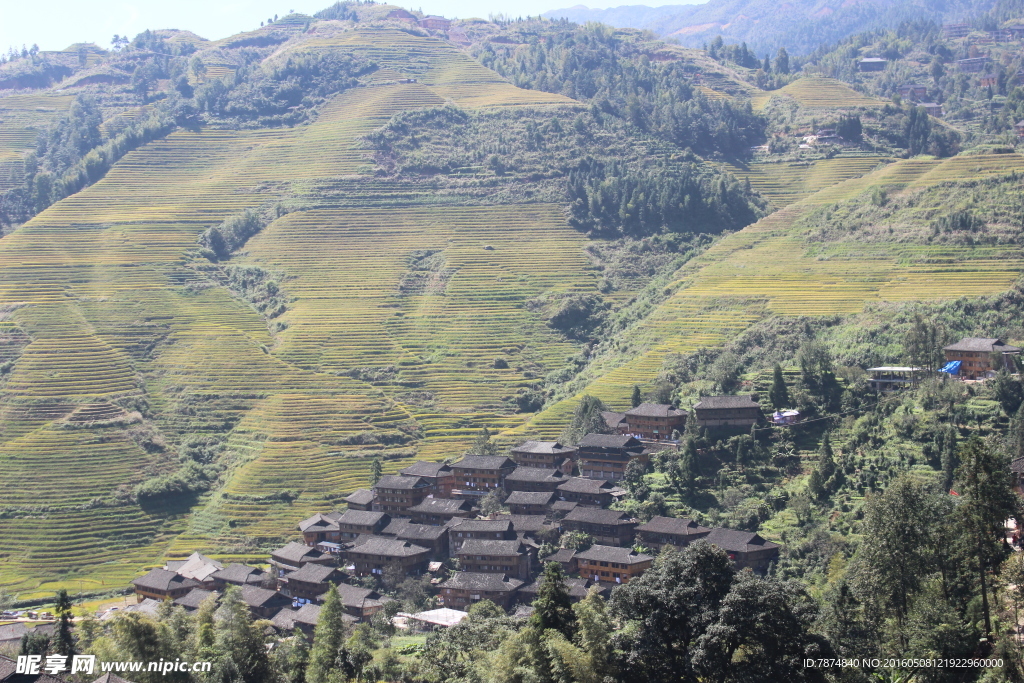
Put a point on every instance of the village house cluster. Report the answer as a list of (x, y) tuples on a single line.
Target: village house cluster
[(426, 519)]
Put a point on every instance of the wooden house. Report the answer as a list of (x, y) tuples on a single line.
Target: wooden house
[(654, 421), (534, 479), (439, 474), (728, 411), (476, 475), (464, 530), (609, 527), (530, 502), (587, 491), (606, 456), (161, 584), (397, 493), (675, 531), (310, 581), (510, 557), (440, 510), (871, 64), (612, 564), (376, 554), (980, 356), (745, 548), (296, 555), (548, 455), (360, 499), (468, 587)]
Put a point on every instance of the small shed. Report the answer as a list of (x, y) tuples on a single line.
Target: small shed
[(437, 618), (891, 378), (872, 64)]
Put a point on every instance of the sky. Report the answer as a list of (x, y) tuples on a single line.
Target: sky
[(58, 23)]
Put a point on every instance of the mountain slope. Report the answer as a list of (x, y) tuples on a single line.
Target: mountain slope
[(766, 25)]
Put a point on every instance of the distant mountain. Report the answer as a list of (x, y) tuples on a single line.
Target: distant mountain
[(765, 25)]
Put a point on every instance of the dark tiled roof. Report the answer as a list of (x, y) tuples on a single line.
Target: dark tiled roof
[(608, 553), (564, 505), (163, 580), (427, 469), (297, 552), (681, 526), (982, 344), (239, 573), (543, 448), (482, 525), (317, 522), (109, 677), (535, 474), (598, 516), (720, 402), (1017, 466), (307, 614), (525, 523), (481, 546), (439, 506), (577, 587), (354, 596), (485, 462), (311, 573), (391, 547), (195, 597), (654, 410), (621, 441), (399, 481), (360, 497), (11, 632), (482, 581), (612, 419), (361, 517), (560, 555), (530, 498), (405, 529), (585, 485), (735, 541), (254, 596)]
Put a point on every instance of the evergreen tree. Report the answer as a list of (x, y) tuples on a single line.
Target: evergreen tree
[(240, 642), (63, 641), (328, 638), (779, 393), (635, 399), (782, 61), (376, 471), (586, 419), (553, 606), (483, 445)]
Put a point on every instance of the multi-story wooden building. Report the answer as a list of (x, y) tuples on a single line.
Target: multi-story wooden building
[(745, 548), (161, 584), (440, 510), (608, 527), (728, 411), (360, 499), (675, 531), (979, 356), (464, 530), (361, 603), (547, 455), (320, 528), (605, 456), (465, 588), (612, 564), (654, 421), (310, 581), (496, 557), (587, 491), (396, 493), (480, 474), (534, 479), (296, 555), (355, 523), (530, 502), (239, 575), (264, 603), (439, 474), (431, 536), (375, 555)]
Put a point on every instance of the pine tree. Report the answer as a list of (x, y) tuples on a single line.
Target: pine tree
[(553, 606), (779, 393), (376, 471), (328, 638), (635, 399), (64, 642)]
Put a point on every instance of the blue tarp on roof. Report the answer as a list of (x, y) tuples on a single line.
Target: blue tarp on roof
[(951, 368)]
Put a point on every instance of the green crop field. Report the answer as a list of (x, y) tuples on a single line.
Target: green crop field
[(826, 93), (783, 183)]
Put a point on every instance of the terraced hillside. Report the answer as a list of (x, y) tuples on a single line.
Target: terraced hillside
[(773, 268), (122, 346), (22, 117)]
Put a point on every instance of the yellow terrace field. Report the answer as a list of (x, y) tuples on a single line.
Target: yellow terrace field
[(785, 183), (826, 93)]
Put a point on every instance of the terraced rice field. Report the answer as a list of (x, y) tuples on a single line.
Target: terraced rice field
[(22, 117), (826, 93), (102, 312), (785, 183), (768, 268)]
